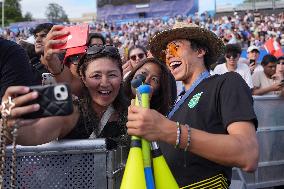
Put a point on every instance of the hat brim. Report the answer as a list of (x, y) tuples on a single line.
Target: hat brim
[(215, 45)]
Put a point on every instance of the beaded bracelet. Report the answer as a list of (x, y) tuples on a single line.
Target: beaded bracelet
[(178, 135), (55, 74), (188, 137)]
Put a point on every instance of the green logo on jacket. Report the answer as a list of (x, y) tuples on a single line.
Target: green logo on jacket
[(195, 99)]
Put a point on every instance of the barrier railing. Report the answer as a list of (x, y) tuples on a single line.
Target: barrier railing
[(68, 164), (270, 134), (89, 164)]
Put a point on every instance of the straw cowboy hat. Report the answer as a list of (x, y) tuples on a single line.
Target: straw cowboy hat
[(182, 30)]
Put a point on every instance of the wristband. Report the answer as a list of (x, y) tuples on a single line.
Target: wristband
[(188, 137), (178, 135), (55, 74)]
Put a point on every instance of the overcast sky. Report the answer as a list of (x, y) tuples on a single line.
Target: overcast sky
[(75, 8)]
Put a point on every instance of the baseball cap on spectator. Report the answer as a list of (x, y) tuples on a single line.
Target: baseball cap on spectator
[(253, 47), (73, 51)]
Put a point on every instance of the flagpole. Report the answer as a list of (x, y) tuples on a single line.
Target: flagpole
[(3, 4)]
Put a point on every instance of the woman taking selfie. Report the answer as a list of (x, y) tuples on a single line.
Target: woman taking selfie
[(101, 112)]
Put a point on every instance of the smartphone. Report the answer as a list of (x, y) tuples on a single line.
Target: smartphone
[(78, 36), (251, 62), (48, 79), (54, 100)]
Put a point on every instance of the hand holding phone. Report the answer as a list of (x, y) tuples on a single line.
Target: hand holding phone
[(54, 100), (251, 62), (77, 36), (48, 79)]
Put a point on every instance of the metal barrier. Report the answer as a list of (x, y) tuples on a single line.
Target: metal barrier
[(270, 134), (67, 164), (89, 164)]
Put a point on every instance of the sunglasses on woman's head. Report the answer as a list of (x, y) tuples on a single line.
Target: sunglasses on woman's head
[(96, 49), (140, 56)]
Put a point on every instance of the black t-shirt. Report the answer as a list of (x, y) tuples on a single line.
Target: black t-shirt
[(38, 69), (88, 123), (14, 66), (214, 104)]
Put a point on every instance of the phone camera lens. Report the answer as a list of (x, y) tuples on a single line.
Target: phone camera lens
[(62, 89), (58, 95)]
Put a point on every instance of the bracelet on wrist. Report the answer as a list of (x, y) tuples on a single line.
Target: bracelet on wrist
[(58, 73), (188, 137), (178, 135)]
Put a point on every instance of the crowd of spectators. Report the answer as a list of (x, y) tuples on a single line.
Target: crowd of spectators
[(246, 29)]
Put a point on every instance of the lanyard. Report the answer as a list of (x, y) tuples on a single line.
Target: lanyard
[(200, 78)]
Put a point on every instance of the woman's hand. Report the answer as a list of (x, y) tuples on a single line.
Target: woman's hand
[(146, 123), (127, 67), (51, 58), (20, 95)]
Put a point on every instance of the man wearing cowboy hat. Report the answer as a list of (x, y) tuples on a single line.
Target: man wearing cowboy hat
[(212, 127)]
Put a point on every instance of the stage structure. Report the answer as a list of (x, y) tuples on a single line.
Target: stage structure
[(143, 9)]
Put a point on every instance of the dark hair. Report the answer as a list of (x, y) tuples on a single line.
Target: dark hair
[(165, 98), (29, 48), (280, 58), (233, 48), (95, 35), (43, 27), (267, 59), (136, 47), (121, 102), (197, 46)]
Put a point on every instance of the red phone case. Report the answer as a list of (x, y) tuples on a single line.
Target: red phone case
[(77, 37)]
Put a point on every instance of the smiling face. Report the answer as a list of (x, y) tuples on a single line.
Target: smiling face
[(39, 41), (103, 79), (136, 55), (179, 58), (152, 73)]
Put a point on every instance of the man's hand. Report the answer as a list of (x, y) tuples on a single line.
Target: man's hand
[(146, 123), (51, 59), (277, 86)]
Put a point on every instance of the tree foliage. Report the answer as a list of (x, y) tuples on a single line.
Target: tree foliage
[(13, 12), (28, 16), (55, 13)]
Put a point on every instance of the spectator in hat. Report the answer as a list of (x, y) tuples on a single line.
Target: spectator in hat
[(232, 55), (206, 133), (253, 55)]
